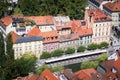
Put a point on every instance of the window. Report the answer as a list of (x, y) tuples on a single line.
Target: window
[(102, 33), (99, 30), (95, 34), (96, 25)]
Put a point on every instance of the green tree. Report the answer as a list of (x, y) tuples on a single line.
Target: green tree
[(70, 50), (3, 7), (9, 47), (52, 69), (81, 49), (102, 57), (92, 46), (89, 64), (56, 68), (17, 10), (45, 55), (74, 8), (104, 44), (57, 52), (25, 64), (2, 57), (29, 7), (41, 69)]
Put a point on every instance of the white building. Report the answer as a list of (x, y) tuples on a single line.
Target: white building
[(6, 25), (100, 24), (44, 23), (28, 44)]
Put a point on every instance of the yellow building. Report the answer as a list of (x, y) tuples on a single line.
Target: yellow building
[(27, 44)]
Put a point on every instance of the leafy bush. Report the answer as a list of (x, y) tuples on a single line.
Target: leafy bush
[(57, 52), (102, 57), (92, 46), (103, 44), (70, 50), (81, 49), (45, 55)]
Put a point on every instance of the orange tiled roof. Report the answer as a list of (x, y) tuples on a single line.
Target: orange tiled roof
[(6, 21), (49, 33), (50, 36), (113, 6), (75, 24), (41, 20), (84, 31), (85, 74), (98, 15), (48, 75), (34, 32), (64, 26), (14, 36)]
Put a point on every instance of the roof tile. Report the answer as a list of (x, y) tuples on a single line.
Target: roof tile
[(41, 20), (6, 21)]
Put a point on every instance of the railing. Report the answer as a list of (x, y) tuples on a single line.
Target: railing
[(74, 56)]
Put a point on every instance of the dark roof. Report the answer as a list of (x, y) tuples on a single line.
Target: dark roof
[(28, 39), (99, 76), (68, 73), (107, 65)]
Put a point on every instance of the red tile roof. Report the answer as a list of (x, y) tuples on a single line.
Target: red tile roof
[(50, 36), (98, 15), (85, 74), (34, 32), (47, 75), (6, 21), (84, 31), (41, 20), (113, 6), (14, 36), (75, 24)]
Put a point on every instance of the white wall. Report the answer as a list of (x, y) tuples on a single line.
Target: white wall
[(34, 47)]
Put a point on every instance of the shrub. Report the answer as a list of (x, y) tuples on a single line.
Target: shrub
[(57, 52), (45, 55), (92, 46), (81, 49), (70, 50)]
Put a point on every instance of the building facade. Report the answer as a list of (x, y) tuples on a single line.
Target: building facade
[(100, 23), (28, 44)]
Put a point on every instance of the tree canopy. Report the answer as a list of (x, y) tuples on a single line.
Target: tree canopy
[(52, 69), (9, 47), (70, 50), (73, 8), (92, 46), (81, 49), (45, 55)]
